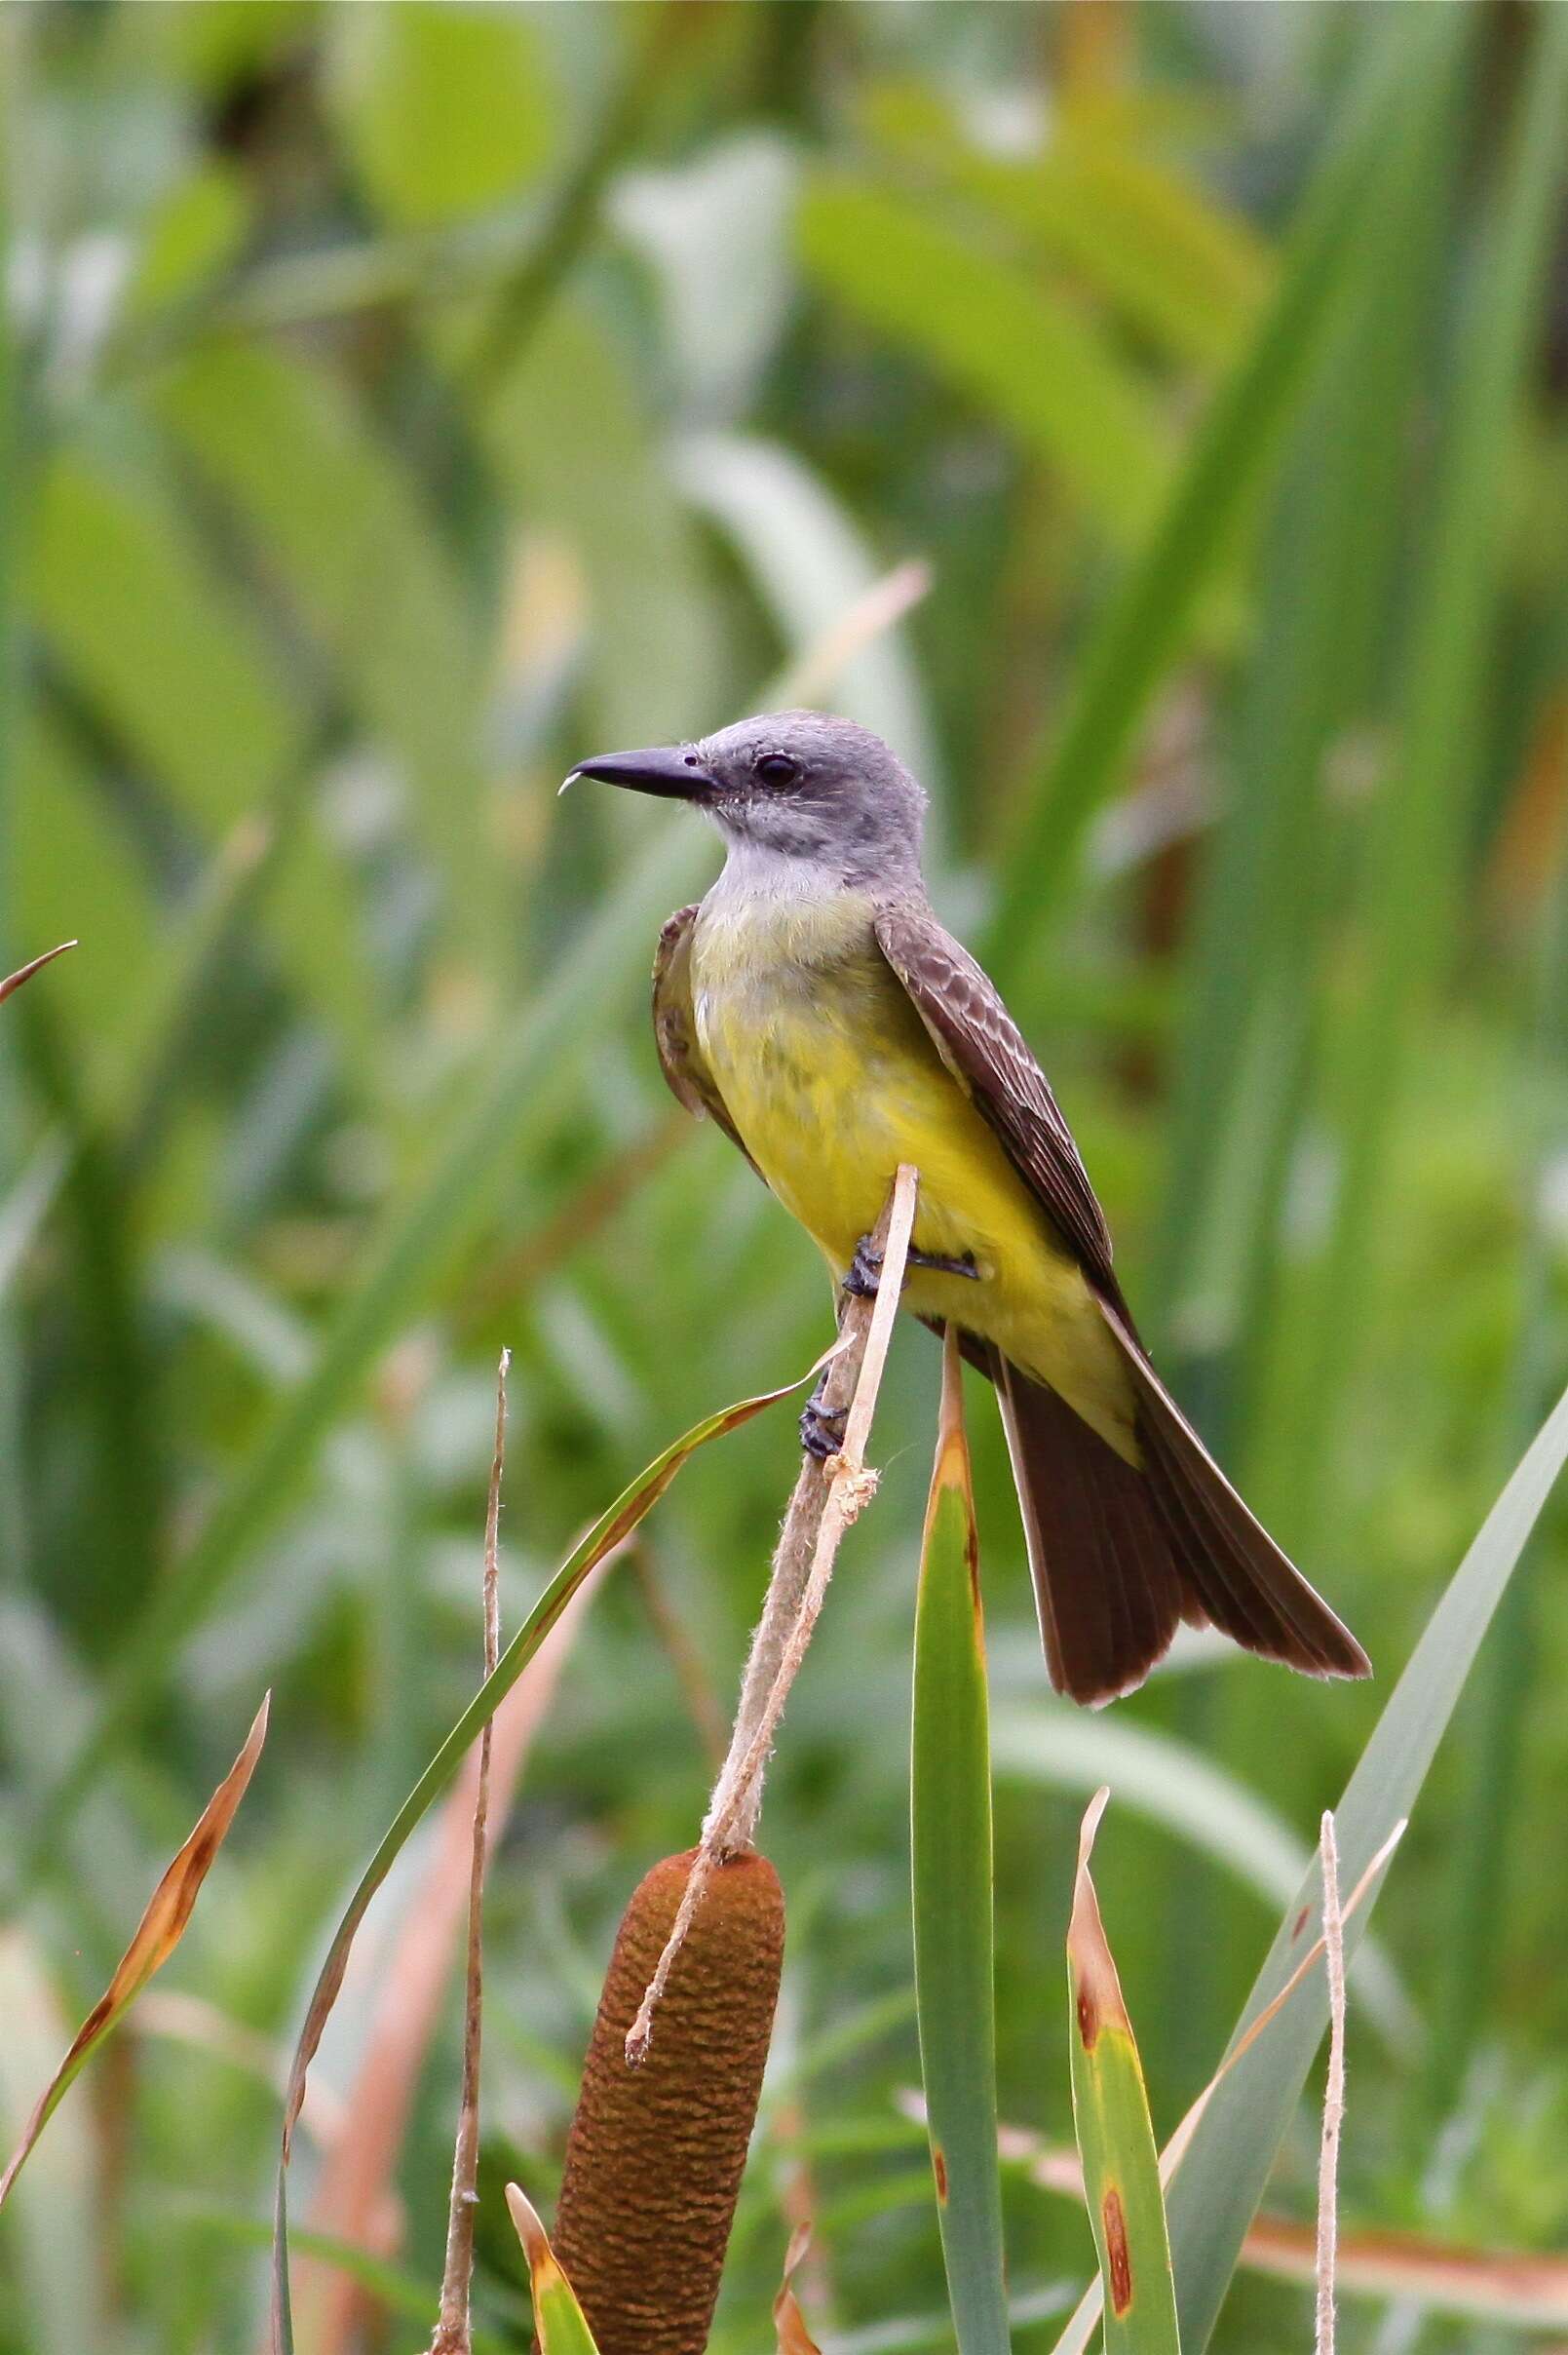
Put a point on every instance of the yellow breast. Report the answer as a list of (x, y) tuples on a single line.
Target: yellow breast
[(832, 1079)]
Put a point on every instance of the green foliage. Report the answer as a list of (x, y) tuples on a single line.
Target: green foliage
[(443, 111), (985, 324), (402, 401)]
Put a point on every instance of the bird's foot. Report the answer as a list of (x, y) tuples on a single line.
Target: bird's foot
[(864, 1272), (822, 1430)]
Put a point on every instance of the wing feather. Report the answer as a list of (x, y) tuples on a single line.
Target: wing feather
[(983, 1047), (674, 1027)]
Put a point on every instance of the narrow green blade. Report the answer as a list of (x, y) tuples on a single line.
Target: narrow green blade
[(950, 1783), (1127, 2208), (1414, 883)]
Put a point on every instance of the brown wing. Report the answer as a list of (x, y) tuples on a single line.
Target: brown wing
[(983, 1047), (674, 1027)]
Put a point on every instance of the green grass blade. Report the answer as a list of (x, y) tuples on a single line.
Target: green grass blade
[(1115, 2137), (1489, 1835), (611, 1529), (1322, 619), (950, 1776), (1413, 892), (1150, 618)]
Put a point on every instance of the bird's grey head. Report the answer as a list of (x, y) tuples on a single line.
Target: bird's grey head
[(792, 784)]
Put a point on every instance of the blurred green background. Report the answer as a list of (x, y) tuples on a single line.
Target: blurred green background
[(1154, 420)]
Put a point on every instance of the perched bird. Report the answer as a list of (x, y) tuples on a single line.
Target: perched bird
[(813, 1007)]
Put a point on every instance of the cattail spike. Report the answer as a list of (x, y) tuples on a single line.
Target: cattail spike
[(655, 2155)]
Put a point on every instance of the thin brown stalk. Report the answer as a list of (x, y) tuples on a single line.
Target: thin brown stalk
[(1334, 2092), (453, 2333), (827, 1497), (24, 972)]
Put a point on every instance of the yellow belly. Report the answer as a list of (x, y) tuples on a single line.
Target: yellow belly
[(832, 1079)]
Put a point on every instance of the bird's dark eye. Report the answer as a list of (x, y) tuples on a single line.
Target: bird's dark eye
[(776, 768)]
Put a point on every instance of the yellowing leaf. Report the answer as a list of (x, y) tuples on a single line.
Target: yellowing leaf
[(1115, 2137), (787, 2320), (158, 1933)]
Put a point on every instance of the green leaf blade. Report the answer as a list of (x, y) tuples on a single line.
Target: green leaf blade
[(950, 1787)]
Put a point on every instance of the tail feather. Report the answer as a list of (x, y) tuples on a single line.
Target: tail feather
[(1121, 1553), (1106, 1586)]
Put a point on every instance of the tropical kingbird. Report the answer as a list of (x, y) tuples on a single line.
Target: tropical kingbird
[(813, 1007)]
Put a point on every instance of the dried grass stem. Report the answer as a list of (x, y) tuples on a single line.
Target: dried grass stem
[(453, 2331), (1333, 2092)]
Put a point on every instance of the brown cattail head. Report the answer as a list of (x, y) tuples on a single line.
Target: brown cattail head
[(655, 2155)]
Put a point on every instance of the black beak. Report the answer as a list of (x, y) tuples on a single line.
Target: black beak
[(668, 770)]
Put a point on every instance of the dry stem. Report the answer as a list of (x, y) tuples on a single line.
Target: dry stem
[(827, 1497), (454, 2335), (1334, 2092)]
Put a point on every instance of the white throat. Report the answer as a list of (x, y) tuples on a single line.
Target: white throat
[(755, 870)]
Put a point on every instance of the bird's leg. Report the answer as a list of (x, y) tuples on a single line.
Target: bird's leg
[(865, 1268)]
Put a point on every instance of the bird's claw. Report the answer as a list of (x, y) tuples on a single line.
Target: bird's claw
[(865, 1271), (822, 1430)]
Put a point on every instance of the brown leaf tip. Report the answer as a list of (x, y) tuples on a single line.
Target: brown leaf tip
[(1118, 2256), (24, 972), (530, 2227)]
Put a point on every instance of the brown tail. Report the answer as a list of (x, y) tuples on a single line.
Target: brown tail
[(1120, 1552)]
